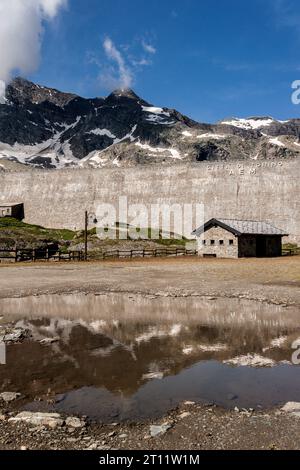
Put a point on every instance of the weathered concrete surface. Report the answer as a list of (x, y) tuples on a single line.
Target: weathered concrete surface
[(258, 190)]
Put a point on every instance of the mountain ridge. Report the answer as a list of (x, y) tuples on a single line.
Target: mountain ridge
[(43, 127)]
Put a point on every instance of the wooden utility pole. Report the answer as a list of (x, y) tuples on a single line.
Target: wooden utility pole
[(86, 236)]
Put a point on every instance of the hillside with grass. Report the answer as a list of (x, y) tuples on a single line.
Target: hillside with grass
[(15, 233)]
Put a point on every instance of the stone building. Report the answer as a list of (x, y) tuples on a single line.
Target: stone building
[(227, 238), (15, 210)]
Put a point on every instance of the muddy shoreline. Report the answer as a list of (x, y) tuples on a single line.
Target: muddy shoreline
[(191, 427)]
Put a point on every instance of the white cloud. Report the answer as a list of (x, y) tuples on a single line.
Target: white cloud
[(120, 75), (124, 62), (141, 62), (21, 32), (149, 48)]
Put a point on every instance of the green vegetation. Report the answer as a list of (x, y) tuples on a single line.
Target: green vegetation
[(11, 224), (14, 232), (291, 247)]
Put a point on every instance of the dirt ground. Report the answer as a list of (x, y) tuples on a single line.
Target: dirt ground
[(191, 426), (274, 280)]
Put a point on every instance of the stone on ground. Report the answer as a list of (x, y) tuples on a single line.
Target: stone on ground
[(49, 420)]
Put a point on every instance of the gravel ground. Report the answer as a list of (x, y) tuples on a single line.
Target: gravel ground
[(192, 428)]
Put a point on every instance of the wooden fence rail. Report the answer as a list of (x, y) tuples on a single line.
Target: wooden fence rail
[(290, 251), (147, 253), (28, 254)]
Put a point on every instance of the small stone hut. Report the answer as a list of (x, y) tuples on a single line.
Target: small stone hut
[(229, 238), (15, 210)]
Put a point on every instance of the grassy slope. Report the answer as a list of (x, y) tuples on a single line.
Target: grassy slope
[(14, 232)]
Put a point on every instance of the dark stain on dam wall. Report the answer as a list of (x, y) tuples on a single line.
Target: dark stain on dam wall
[(257, 190)]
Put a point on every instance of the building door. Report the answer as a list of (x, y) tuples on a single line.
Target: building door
[(261, 247)]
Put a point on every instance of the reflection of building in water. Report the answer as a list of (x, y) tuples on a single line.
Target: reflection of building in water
[(226, 238)]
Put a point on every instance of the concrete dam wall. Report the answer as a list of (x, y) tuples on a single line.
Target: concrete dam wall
[(267, 190)]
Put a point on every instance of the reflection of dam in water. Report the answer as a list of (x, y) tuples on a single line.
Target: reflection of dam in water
[(111, 354)]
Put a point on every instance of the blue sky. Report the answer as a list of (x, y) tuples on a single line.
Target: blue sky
[(208, 59)]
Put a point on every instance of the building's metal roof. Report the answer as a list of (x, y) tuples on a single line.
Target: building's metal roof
[(242, 227)]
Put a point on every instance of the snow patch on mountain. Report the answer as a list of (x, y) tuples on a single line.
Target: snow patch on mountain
[(155, 110), (251, 123), (95, 159), (187, 134), (154, 150), (210, 135), (102, 132), (159, 120), (277, 141)]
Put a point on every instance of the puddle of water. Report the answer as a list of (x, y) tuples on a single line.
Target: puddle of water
[(119, 357)]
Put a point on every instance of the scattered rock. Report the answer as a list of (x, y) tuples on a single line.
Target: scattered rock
[(123, 436), (9, 396), (23, 448), (189, 403), (75, 423), (183, 415), (153, 375), (49, 340), (93, 446), (14, 336), (159, 430), (49, 420), (111, 434), (292, 407)]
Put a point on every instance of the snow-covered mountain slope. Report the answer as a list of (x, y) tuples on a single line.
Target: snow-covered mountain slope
[(252, 123), (41, 127)]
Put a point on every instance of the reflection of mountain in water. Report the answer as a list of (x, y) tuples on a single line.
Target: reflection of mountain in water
[(119, 344)]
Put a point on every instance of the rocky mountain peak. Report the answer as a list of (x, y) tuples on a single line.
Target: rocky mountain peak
[(21, 91), (125, 95)]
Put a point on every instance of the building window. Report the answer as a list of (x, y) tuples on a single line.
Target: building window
[(212, 242), (230, 242), (221, 242), (203, 242)]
